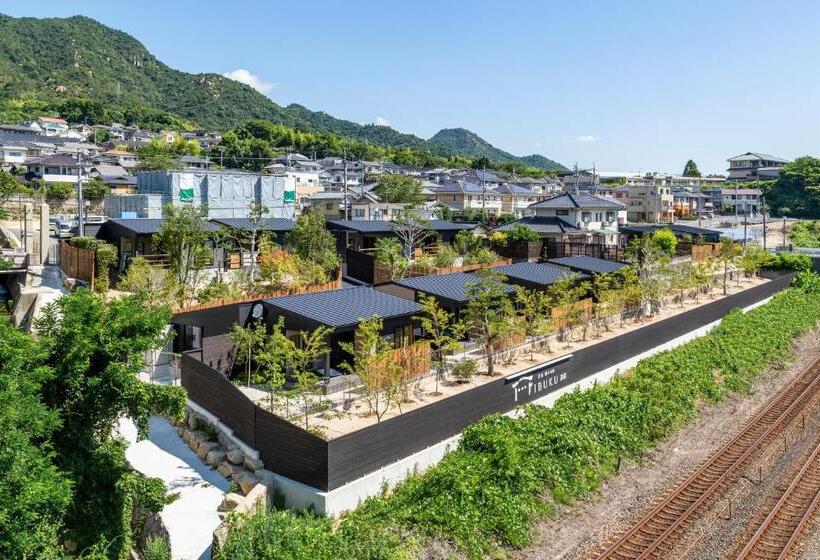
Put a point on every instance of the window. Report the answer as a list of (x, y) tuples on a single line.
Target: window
[(358, 212), (562, 212), (329, 206), (586, 216), (610, 216), (403, 336)]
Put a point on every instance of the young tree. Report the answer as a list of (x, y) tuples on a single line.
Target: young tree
[(273, 359), (373, 364), (533, 307), (247, 341), (565, 294), (183, 237), (665, 241), (442, 330), (302, 358), (728, 253), (702, 276), (256, 213), (489, 314), (389, 256), (681, 278), (311, 241), (412, 231)]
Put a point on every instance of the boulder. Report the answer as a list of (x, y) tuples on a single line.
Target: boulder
[(214, 457), (228, 469), (206, 447), (220, 536), (236, 456), (246, 481), (196, 438), (266, 478), (253, 464), (191, 421), (230, 502)]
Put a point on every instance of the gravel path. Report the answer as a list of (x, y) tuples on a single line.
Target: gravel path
[(578, 528)]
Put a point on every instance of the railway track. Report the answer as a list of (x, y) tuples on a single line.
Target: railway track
[(659, 528), (782, 527)]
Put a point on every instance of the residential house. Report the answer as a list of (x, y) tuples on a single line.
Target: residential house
[(462, 195), (543, 187), (363, 234), (681, 231), (12, 154), (327, 203), (753, 166), (691, 202), (123, 158), (116, 177), (596, 217), (50, 126), (516, 200), (647, 202), (479, 177), (536, 276), (57, 168), (194, 162), (745, 202), (591, 266)]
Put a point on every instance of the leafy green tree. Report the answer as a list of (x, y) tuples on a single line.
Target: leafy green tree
[(248, 340), (534, 309), (691, 169), (156, 156), (95, 188), (96, 350), (273, 360), (311, 241), (443, 332), (665, 240), (302, 358), (489, 314), (399, 189), (183, 238), (519, 233), (59, 191), (9, 186), (797, 189), (34, 493), (372, 362), (467, 242), (389, 256)]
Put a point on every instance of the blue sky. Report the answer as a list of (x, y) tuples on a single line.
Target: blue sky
[(630, 86)]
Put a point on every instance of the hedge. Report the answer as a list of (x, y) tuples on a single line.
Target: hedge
[(506, 471)]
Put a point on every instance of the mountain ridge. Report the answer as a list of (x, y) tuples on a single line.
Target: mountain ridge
[(78, 57)]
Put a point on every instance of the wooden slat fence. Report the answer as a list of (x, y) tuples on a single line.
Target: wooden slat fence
[(77, 263)]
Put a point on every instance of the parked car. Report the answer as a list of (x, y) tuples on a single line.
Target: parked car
[(64, 229), (52, 225)]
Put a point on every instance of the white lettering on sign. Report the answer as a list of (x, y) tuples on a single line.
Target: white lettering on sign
[(537, 382)]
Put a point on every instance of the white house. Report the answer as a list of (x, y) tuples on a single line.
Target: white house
[(597, 217), (461, 195), (57, 168)]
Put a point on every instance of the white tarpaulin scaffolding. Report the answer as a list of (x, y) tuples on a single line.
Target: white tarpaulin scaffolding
[(227, 194)]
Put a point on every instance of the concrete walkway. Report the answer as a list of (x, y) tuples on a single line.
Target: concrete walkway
[(43, 286), (192, 517)]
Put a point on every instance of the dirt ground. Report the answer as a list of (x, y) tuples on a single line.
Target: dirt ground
[(579, 528)]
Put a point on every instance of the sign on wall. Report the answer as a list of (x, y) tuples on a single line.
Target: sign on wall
[(539, 380)]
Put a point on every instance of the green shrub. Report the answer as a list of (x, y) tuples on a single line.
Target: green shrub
[(105, 258), (480, 256), (156, 549), (805, 233), (464, 370), (520, 233), (59, 191), (86, 243), (790, 261), (445, 257)]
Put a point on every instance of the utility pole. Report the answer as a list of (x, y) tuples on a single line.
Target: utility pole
[(484, 191), (763, 203), (80, 220), (344, 162)]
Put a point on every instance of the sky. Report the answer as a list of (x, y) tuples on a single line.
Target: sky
[(624, 85)]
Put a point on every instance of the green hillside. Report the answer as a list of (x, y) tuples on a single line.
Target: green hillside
[(466, 142), (81, 68)]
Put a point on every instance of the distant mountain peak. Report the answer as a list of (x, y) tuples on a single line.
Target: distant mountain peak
[(471, 144)]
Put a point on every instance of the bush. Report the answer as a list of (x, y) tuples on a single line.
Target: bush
[(480, 256), (445, 257), (95, 188), (86, 243), (467, 242), (464, 370), (215, 290), (805, 234), (59, 191), (156, 549), (520, 233), (498, 239), (665, 241), (790, 261), (424, 263), (105, 258)]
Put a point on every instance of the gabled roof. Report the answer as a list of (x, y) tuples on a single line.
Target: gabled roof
[(754, 156), (536, 273), (140, 226), (344, 307), (54, 159), (463, 187), (514, 189), (589, 265), (541, 224), (571, 200), (266, 224), (453, 287), (387, 226)]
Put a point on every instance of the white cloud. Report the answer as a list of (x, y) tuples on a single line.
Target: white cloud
[(245, 77), (538, 144), (586, 138), (381, 121)]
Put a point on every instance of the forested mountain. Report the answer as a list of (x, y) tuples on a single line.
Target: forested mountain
[(469, 143), (83, 68)]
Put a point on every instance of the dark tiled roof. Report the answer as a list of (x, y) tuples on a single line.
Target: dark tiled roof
[(578, 200), (462, 187), (386, 226), (535, 273), (591, 265), (514, 189), (144, 226), (453, 287), (677, 229), (266, 224), (541, 224), (344, 307)]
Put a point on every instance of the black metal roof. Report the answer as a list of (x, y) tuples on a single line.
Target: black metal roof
[(454, 287), (677, 229), (541, 224), (139, 226), (266, 224), (387, 226), (591, 265), (344, 307), (536, 273)]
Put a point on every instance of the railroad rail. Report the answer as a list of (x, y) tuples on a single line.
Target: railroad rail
[(782, 527), (662, 524)]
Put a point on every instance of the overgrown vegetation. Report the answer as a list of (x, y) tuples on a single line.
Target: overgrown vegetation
[(485, 494), (805, 233)]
